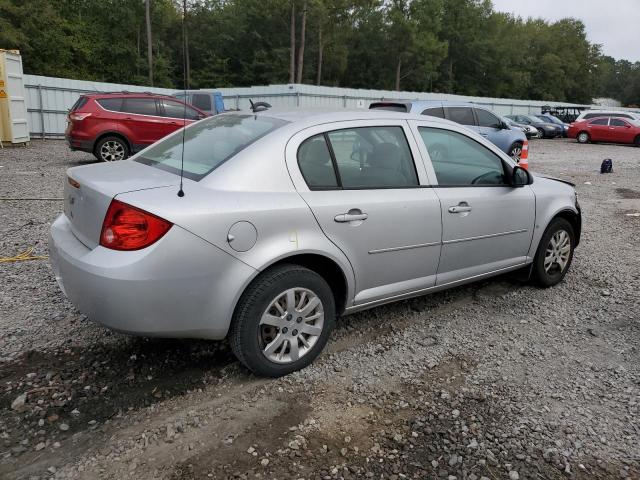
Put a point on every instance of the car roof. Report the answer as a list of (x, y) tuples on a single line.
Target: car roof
[(310, 117)]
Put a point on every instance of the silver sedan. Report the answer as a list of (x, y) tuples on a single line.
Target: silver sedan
[(290, 219)]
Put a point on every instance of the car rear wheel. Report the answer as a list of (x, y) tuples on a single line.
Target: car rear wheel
[(555, 253), (583, 137), (542, 133), (111, 149), (282, 321), (516, 151)]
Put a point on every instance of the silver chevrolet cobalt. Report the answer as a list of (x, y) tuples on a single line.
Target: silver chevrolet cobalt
[(290, 219)]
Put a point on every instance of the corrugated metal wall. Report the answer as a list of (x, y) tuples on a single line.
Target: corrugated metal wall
[(49, 99)]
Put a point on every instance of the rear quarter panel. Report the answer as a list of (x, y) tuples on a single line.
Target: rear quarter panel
[(252, 187)]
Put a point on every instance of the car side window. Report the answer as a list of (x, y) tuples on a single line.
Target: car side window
[(616, 122), (113, 104), (140, 106), (461, 115), (316, 166), (373, 157), (177, 110), (434, 112), (460, 161), (487, 119), (600, 121)]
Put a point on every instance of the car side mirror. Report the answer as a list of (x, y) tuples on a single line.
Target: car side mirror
[(520, 177), (505, 126)]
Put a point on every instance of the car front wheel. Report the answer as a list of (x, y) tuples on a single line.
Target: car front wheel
[(555, 253), (111, 149), (282, 321)]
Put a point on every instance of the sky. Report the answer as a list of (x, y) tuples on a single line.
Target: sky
[(611, 23)]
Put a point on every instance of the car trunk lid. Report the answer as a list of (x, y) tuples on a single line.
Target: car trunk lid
[(89, 190)]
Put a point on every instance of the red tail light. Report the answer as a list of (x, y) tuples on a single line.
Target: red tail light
[(76, 117), (129, 228)]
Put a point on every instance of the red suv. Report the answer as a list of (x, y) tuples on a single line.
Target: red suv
[(114, 125)]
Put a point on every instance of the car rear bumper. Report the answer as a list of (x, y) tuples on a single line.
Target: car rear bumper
[(181, 286), (77, 144)]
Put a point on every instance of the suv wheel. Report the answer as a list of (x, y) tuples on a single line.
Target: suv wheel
[(516, 151), (583, 137), (555, 253), (111, 149), (282, 321)]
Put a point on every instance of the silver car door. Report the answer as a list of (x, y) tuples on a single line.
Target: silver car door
[(487, 225), (366, 192)]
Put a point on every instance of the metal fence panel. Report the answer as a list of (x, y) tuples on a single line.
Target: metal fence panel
[(49, 99)]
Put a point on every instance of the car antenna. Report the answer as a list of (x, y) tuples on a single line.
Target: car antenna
[(184, 83)]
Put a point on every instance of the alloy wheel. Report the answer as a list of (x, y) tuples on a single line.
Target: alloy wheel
[(557, 254), (112, 151), (516, 152), (291, 325)]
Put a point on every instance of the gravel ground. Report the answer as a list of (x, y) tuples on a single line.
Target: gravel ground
[(489, 381)]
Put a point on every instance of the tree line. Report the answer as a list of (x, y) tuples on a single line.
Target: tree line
[(450, 46)]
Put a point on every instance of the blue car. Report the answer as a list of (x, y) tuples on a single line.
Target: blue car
[(479, 119)]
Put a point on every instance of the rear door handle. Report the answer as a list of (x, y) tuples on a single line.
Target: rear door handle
[(351, 216), (462, 207)]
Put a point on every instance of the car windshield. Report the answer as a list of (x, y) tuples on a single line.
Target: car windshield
[(208, 143), (536, 119)]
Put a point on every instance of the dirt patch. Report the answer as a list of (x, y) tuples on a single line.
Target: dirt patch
[(628, 193), (75, 389)]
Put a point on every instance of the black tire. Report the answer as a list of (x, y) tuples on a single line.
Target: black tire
[(583, 137), (636, 142), (515, 148), (540, 275), (246, 335), (543, 135), (111, 149)]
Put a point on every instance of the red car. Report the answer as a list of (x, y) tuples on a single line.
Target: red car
[(605, 129), (114, 125)]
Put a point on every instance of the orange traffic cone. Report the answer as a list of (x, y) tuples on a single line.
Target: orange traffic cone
[(524, 156)]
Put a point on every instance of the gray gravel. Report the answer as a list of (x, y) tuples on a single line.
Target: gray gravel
[(493, 380)]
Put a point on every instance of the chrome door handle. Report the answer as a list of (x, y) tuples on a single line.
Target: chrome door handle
[(462, 207), (350, 217)]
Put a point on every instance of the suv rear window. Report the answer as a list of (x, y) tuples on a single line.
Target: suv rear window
[(208, 144), (113, 104), (82, 100)]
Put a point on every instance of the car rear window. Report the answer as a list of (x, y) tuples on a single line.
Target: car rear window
[(202, 101), (394, 107), (208, 144), (82, 100)]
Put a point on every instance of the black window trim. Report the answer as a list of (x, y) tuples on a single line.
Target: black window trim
[(336, 171), (502, 162)]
